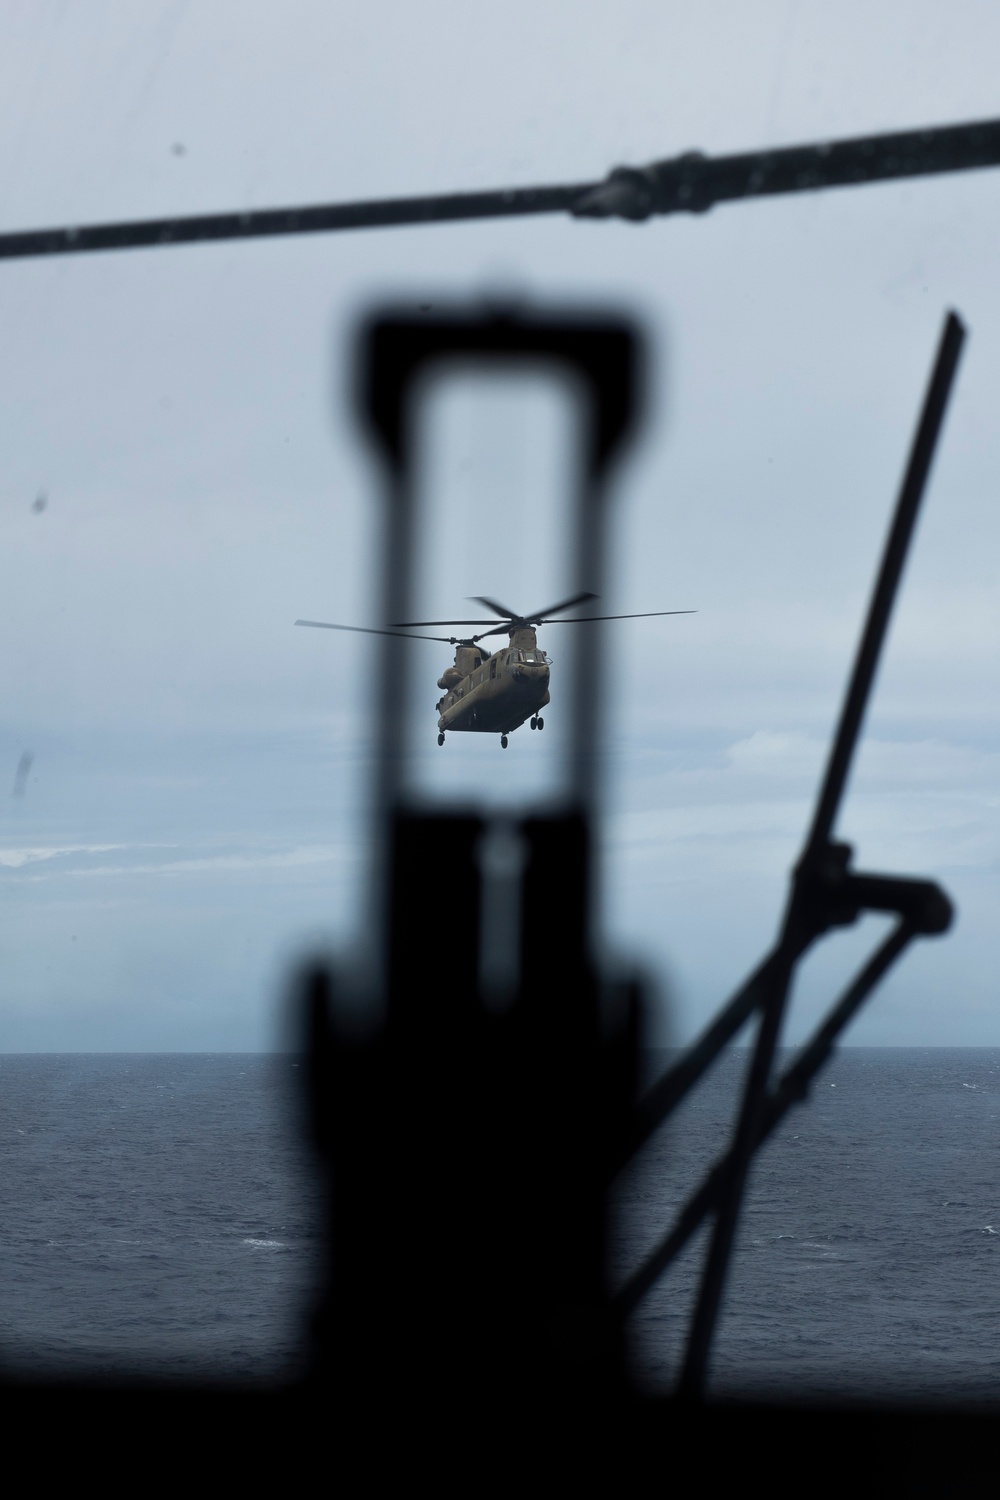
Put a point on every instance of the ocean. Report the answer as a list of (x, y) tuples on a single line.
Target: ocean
[(161, 1213), (157, 1213), (868, 1259)]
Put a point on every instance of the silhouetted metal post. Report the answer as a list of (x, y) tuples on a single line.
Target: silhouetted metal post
[(472, 1150), (821, 881)]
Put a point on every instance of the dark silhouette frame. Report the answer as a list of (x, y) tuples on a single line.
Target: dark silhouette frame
[(591, 1125)]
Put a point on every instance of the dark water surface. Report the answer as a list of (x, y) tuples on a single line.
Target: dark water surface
[(155, 1211), (869, 1252), (160, 1212)]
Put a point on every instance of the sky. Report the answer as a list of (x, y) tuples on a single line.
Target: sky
[(184, 815)]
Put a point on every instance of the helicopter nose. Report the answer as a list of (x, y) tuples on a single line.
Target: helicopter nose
[(534, 672)]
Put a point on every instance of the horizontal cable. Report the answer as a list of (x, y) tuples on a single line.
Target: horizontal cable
[(690, 183), (386, 213)]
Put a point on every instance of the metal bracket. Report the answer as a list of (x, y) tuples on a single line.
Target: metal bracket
[(825, 893)]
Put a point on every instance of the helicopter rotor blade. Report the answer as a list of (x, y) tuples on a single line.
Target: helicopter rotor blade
[(508, 615), (407, 624), (449, 640), (646, 614), (553, 609), (498, 609), (504, 629)]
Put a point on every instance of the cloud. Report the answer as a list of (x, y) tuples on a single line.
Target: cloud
[(912, 805), (14, 859), (228, 863), (231, 861)]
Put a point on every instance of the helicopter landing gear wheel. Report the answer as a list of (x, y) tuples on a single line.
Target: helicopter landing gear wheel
[(534, 723), (503, 742), (539, 722), (441, 739)]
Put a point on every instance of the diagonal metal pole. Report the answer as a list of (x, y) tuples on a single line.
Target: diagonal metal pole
[(675, 1083), (735, 1172), (668, 1091), (907, 506), (819, 863), (791, 1089)]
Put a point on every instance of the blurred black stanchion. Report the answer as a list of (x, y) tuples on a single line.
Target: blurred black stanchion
[(471, 1130), (472, 1152), (472, 1139)]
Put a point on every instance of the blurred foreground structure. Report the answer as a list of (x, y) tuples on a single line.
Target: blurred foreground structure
[(472, 1146), (471, 1139)]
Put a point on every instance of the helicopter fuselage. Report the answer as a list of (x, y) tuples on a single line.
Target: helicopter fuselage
[(494, 693)]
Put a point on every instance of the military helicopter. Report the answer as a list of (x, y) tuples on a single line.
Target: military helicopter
[(495, 692)]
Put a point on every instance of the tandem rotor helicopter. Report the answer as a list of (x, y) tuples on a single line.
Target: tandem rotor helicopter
[(495, 692)]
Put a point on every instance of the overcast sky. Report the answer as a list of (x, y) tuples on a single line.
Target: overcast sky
[(180, 480)]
